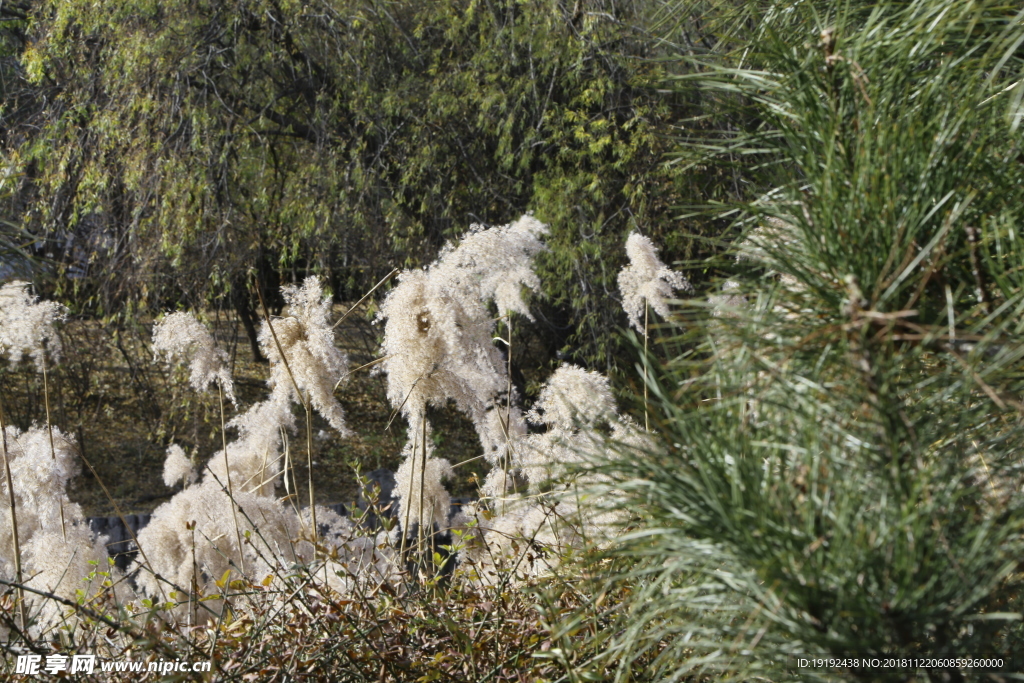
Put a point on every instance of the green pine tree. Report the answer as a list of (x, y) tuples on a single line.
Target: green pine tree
[(840, 466)]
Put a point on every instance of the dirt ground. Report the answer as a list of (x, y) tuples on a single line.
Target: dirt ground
[(124, 409)]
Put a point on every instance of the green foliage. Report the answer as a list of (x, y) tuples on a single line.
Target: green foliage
[(840, 464), (186, 143)]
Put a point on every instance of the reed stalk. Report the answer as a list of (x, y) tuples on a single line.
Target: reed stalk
[(14, 519), (309, 464), (647, 423), (227, 476), (423, 475), (53, 451), (408, 509), (305, 404), (508, 412)]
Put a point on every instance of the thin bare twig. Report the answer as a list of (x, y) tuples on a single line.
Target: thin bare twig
[(14, 518), (365, 297)]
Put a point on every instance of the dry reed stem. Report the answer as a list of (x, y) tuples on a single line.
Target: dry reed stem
[(287, 461), (647, 424), (508, 413), (366, 296), (227, 475), (408, 509), (53, 451), (423, 476), (309, 464), (361, 367), (193, 593), (298, 393), (14, 520)]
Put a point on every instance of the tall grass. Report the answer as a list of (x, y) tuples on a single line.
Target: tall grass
[(348, 594)]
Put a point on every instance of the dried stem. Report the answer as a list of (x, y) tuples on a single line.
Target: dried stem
[(14, 519), (194, 588), (508, 413), (227, 475), (408, 508), (365, 297), (309, 464), (287, 461), (647, 424), (361, 367), (423, 474), (53, 452)]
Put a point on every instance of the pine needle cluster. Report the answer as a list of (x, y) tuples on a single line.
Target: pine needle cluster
[(837, 468)]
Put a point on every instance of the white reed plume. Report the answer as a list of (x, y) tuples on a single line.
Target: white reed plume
[(179, 336), (574, 406), (553, 511), (46, 473), (177, 467), (728, 301), (573, 396), (55, 559), (768, 239), (65, 563), (524, 542), (494, 264), (313, 361), (168, 542), (646, 281), (438, 338), (27, 325)]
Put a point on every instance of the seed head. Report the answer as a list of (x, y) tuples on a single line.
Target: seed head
[(646, 278), (27, 325), (179, 336)]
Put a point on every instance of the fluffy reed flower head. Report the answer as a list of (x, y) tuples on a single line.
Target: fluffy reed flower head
[(574, 396), (524, 542), (438, 338), (179, 336), (169, 544), (49, 562), (577, 407), (41, 477), (65, 563), (307, 341), (728, 301), (761, 243), (27, 325), (494, 264), (502, 484), (647, 279), (177, 467)]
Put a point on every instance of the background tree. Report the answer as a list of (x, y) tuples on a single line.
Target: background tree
[(183, 145)]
